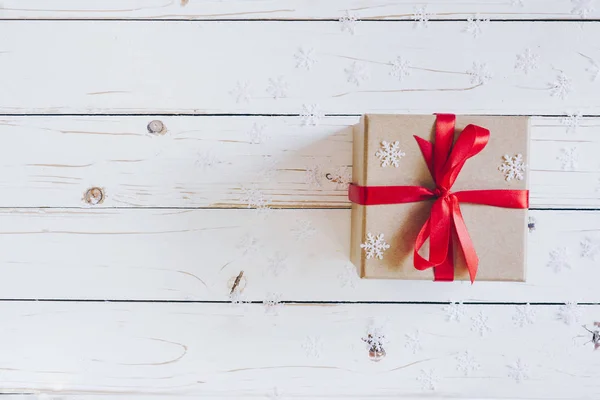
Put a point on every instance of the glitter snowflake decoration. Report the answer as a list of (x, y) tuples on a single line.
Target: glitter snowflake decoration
[(466, 363), (303, 230), (278, 88), (527, 61), (206, 159), (313, 176), (375, 340), (428, 379), (242, 92), (480, 74), (568, 158), (357, 73), (590, 248), (569, 313), (248, 245), (400, 68), (305, 58), (474, 25), (519, 371), (421, 17), (374, 246), (257, 134), (390, 154), (571, 121), (348, 277), (480, 324), (277, 263), (524, 315), (561, 87), (454, 311), (512, 167), (311, 115), (254, 198), (342, 177), (413, 342), (272, 302), (313, 346), (559, 259), (582, 7), (348, 22)]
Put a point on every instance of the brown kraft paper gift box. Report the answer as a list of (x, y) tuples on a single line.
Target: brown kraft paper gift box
[(498, 234)]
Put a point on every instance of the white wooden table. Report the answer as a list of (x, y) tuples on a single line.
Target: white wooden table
[(140, 136)]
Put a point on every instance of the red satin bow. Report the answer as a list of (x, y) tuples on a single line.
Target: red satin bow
[(444, 162)]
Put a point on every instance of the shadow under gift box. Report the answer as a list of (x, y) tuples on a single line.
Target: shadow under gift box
[(498, 234)]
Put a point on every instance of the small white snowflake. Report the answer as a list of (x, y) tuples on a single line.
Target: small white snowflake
[(559, 259), (474, 25), (375, 246), (561, 87), (311, 114), (313, 346), (466, 363), (571, 121), (342, 177), (277, 263), (519, 371), (242, 92), (348, 277), (375, 340), (525, 315), (519, 3), (313, 176), (257, 134), (305, 58), (272, 302), (428, 379), (348, 22), (278, 88), (480, 74), (590, 248), (421, 17), (480, 324), (390, 154), (357, 73), (303, 229), (249, 245), (568, 158), (582, 7), (527, 61), (206, 159), (512, 167), (569, 313), (454, 311), (254, 198), (400, 68), (413, 342)]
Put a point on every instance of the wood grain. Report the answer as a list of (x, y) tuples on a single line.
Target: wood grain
[(174, 67)]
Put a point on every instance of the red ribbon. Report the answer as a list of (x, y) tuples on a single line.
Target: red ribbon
[(444, 162)]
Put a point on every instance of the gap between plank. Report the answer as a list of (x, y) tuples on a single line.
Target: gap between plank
[(367, 19)]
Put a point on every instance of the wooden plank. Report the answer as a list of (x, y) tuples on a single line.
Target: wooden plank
[(298, 255), (177, 67), (213, 162), (221, 351), (294, 9)]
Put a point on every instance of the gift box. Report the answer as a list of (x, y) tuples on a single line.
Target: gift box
[(449, 203)]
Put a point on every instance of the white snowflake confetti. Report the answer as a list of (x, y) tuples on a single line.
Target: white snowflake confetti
[(313, 176), (569, 313), (278, 88), (421, 17), (475, 24), (559, 259), (257, 134), (519, 3), (357, 73), (568, 158), (519, 371), (277, 263), (206, 159), (303, 229), (375, 246), (342, 177), (480, 74), (512, 167), (313, 346), (527, 61), (305, 58), (272, 302), (413, 342), (572, 121), (254, 198), (390, 154), (561, 87), (311, 114), (400, 68), (582, 7), (480, 324), (348, 277), (348, 22), (466, 363), (590, 248), (249, 245), (524, 315), (454, 311), (242, 92), (428, 379)]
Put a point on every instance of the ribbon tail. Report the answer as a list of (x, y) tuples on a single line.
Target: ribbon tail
[(495, 198), (464, 241), (427, 151), (445, 271)]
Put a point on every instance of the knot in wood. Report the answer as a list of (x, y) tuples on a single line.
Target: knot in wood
[(156, 127), (94, 196)]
